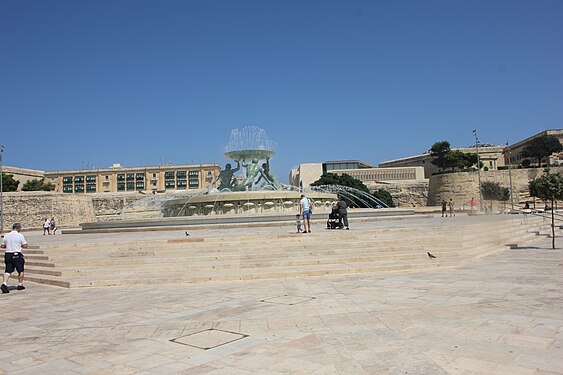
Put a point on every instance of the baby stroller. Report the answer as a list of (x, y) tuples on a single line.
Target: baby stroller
[(332, 222)]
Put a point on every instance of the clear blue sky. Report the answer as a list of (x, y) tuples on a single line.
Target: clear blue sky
[(90, 83)]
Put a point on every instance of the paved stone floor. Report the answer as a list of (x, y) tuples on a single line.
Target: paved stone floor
[(500, 315)]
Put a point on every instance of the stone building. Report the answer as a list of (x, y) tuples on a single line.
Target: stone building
[(305, 174), (514, 154), (491, 156), (23, 174), (121, 179)]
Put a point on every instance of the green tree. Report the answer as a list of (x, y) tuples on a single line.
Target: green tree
[(541, 147), (548, 187), (344, 180), (9, 183), (438, 151), (37, 185), (494, 191), (384, 196), (504, 197), (456, 159)]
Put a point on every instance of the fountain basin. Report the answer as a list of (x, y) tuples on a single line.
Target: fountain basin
[(246, 202)]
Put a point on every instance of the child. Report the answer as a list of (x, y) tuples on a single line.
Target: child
[(298, 222)]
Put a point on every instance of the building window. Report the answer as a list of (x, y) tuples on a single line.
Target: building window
[(140, 185), (193, 179), (181, 184), (181, 174), (91, 188), (67, 180), (169, 184), (140, 177), (121, 186), (90, 179), (130, 176), (79, 179), (67, 188), (120, 177), (79, 188), (168, 175), (107, 178), (130, 185)]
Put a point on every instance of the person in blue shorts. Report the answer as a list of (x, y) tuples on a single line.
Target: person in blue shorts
[(305, 211)]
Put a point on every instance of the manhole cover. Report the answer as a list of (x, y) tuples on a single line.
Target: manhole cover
[(209, 339), (287, 300)]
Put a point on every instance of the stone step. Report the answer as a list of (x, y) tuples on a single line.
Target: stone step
[(272, 256), (240, 262), (232, 251), (307, 240)]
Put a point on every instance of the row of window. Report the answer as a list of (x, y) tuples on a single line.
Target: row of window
[(134, 181)]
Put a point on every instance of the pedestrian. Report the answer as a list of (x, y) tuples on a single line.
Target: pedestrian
[(473, 205), (451, 206), (13, 258), (342, 213), (298, 223), (53, 225), (444, 208), (305, 211), (46, 226)]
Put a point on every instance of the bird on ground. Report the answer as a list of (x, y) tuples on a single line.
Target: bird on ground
[(430, 255), (187, 234)]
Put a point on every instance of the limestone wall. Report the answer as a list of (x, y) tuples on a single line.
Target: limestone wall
[(29, 208), (464, 185), (405, 194)]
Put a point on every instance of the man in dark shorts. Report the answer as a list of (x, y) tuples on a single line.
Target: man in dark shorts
[(13, 258), (342, 213)]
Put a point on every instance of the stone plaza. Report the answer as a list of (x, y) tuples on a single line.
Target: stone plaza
[(498, 314)]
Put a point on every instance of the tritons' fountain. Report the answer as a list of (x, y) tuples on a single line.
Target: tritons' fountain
[(255, 191), (255, 195)]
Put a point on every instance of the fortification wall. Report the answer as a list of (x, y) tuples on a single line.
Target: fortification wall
[(29, 208), (462, 186), (405, 194)]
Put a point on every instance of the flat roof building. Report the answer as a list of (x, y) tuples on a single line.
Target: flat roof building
[(118, 178)]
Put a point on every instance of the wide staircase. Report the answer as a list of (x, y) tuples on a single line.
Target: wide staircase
[(272, 256)]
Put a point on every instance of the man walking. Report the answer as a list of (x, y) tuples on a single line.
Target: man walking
[(342, 213), (13, 258), (305, 210)]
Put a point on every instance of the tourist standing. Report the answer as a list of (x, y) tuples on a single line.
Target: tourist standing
[(13, 258), (53, 225), (473, 205), (298, 222), (305, 211), (451, 206), (342, 213), (444, 208), (46, 226)]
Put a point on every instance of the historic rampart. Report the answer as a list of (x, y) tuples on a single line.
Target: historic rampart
[(464, 185), (29, 208)]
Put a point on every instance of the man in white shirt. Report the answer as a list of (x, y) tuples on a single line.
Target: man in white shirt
[(305, 210), (13, 258)]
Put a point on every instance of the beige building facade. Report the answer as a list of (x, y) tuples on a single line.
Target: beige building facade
[(305, 174), (23, 175), (121, 179), (514, 154), (492, 157)]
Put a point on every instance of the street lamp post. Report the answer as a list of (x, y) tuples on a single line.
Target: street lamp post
[(510, 176), (478, 168), (1, 189)]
